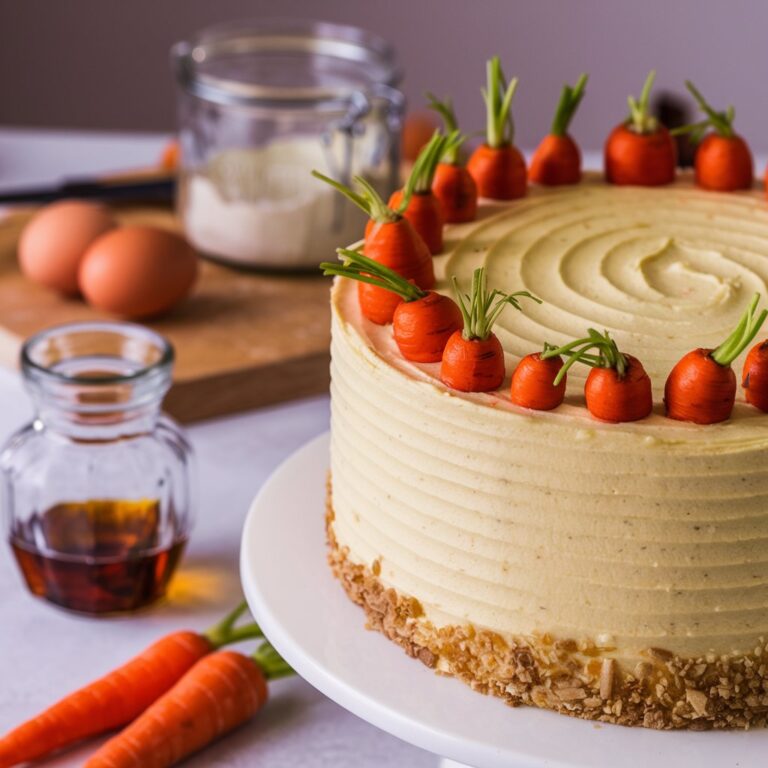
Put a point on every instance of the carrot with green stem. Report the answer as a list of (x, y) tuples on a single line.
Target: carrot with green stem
[(557, 160), (723, 160), (497, 166), (473, 358), (533, 385), (617, 388), (423, 320), (453, 184), (221, 692), (640, 150), (390, 238), (422, 208), (120, 696), (702, 386)]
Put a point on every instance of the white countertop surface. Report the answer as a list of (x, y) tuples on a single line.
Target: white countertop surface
[(45, 652)]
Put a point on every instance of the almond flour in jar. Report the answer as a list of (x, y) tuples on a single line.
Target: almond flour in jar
[(261, 106)]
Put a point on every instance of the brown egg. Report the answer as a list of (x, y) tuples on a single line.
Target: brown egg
[(54, 241), (138, 272)]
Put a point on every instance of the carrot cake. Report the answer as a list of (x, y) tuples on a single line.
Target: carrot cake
[(616, 572)]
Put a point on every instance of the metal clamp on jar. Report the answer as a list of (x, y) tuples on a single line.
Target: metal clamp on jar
[(260, 106)]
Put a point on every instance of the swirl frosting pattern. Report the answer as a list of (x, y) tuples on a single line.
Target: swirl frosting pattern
[(649, 534)]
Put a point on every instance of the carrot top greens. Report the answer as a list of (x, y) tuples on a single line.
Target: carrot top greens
[(742, 335), (570, 98), (480, 308), (640, 118), (423, 172), (357, 266), (367, 199), (720, 122), (579, 351), (498, 95)]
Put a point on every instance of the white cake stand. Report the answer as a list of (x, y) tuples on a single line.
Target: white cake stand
[(313, 624)]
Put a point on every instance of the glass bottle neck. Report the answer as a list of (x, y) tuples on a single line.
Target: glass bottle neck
[(99, 411)]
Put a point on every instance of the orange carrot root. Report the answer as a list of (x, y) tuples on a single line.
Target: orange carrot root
[(377, 304), (398, 246), (557, 161), (643, 159), (617, 399), (456, 191), (472, 365), (700, 390), (532, 383), (723, 164), (422, 328), (499, 172), (426, 216), (754, 378), (223, 690)]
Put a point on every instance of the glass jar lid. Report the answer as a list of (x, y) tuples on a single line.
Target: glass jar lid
[(284, 63)]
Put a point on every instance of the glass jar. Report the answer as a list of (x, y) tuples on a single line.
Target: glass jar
[(261, 105), (96, 490)]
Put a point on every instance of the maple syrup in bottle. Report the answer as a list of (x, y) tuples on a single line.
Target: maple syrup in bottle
[(96, 490), (100, 556)]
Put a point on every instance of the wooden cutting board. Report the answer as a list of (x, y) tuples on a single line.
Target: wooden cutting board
[(242, 340)]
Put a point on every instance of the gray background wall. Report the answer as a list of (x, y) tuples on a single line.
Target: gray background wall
[(103, 63)]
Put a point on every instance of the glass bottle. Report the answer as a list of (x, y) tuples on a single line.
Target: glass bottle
[(96, 489)]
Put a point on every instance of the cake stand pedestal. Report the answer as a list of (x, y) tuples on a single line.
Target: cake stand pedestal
[(316, 628)]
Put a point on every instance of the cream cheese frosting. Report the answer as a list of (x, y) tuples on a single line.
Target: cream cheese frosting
[(647, 534)]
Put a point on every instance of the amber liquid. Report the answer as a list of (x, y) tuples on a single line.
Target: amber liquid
[(99, 556)]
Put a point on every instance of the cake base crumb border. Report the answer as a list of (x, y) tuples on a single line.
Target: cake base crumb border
[(574, 678)]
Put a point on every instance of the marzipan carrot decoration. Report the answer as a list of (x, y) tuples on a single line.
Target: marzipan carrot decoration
[(754, 376), (423, 320), (640, 150), (423, 208), (557, 159), (617, 389), (122, 695), (533, 382), (497, 166), (390, 238), (221, 692), (473, 359), (453, 184), (702, 385), (723, 160)]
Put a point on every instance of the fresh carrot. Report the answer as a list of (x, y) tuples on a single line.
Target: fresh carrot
[(640, 150), (617, 389), (497, 166), (423, 208), (170, 159), (390, 238), (754, 376), (221, 692), (473, 358), (453, 184), (702, 386), (423, 320), (532, 382), (557, 160), (120, 696), (723, 160)]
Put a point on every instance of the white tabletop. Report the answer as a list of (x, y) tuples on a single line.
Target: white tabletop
[(45, 652)]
